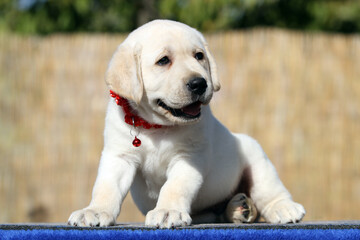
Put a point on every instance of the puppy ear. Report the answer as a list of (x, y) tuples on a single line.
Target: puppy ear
[(124, 75), (213, 70)]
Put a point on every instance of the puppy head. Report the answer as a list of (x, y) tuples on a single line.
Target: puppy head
[(166, 71)]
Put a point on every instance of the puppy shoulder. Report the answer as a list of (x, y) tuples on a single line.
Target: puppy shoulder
[(249, 146)]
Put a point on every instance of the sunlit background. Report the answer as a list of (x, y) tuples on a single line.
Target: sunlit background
[(290, 73)]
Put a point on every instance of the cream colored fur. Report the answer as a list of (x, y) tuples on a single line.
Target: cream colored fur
[(188, 165)]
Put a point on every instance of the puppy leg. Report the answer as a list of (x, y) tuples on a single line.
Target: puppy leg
[(268, 193), (175, 198), (112, 184)]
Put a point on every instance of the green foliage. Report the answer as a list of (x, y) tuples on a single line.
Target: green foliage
[(210, 15), (341, 16), (206, 15), (48, 16)]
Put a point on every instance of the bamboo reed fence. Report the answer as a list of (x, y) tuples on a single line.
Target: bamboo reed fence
[(297, 93)]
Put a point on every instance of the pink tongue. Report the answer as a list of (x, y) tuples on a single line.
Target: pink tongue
[(193, 109)]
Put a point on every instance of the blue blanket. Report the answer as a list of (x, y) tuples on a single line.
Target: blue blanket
[(306, 230)]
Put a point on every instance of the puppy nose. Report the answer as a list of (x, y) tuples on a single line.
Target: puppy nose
[(197, 85)]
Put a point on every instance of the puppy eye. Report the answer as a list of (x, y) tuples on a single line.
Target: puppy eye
[(199, 56), (163, 61)]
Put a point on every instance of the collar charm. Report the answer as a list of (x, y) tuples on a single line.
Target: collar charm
[(136, 142)]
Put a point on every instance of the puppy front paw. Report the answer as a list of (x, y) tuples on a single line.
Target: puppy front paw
[(241, 209), (284, 211), (89, 217), (165, 218)]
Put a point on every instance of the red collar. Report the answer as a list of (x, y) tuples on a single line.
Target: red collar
[(130, 117)]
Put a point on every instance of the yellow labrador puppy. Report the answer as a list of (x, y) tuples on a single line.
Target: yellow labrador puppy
[(163, 143)]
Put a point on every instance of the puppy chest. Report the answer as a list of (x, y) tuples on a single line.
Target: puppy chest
[(154, 170)]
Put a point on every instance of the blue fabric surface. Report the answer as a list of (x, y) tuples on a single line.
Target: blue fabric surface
[(248, 232)]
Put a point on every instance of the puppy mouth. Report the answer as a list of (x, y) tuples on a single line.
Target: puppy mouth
[(190, 111)]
